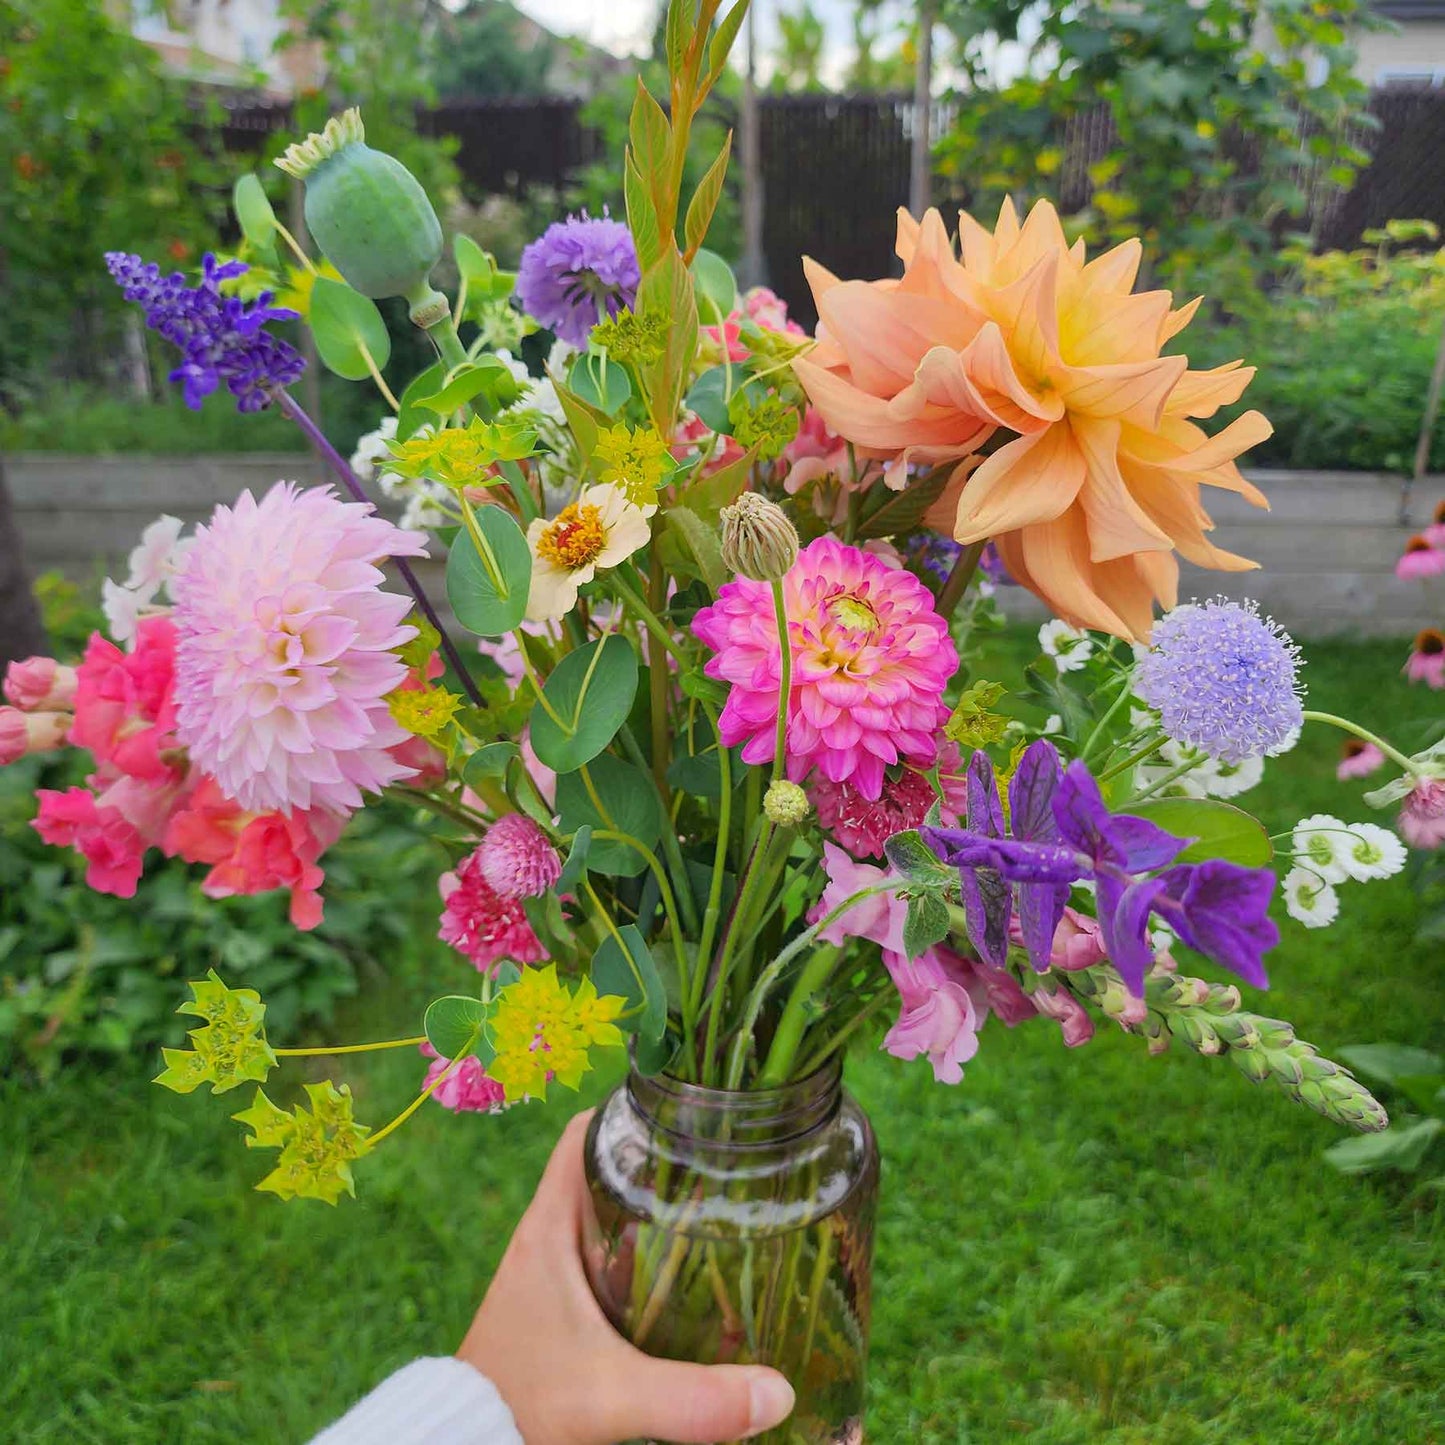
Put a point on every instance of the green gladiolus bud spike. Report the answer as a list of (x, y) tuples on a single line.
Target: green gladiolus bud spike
[(369, 215)]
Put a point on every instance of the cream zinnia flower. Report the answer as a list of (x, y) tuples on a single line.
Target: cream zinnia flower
[(600, 529)]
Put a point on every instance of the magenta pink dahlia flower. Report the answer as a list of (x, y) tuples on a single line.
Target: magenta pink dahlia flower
[(478, 922), (870, 661), (285, 652)]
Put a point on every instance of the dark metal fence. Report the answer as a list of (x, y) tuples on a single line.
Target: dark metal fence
[(835, 168)]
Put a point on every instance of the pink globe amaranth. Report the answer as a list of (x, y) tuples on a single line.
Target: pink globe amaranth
[(871, 659), (1422, 814), (482, 925), (40, 684), (518, 859), (286, 650)]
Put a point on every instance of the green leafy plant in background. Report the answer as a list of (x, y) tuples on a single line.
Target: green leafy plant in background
[(1345, 342), (90, 127), (1210, 103), (1418, 1077)]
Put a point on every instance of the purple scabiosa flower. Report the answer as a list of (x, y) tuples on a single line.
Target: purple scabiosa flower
[(221, 338), (1224, 680), (576, 272), (1218, 908), (992, 566)]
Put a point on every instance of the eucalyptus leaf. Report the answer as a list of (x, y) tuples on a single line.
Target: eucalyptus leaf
[(588, 697), (1219, 830), (489, 761), (453, 1025), (253, 212), (708, 397), (600, 383), (489, 597), (631, 801), (626, 970), (347, 327), (713, 280), (574, 869)]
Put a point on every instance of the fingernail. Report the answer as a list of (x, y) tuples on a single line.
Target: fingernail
[(770, 1401)]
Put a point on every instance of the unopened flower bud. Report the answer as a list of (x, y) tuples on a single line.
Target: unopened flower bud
[(30, 732), (39, 684), (785, 804), (368, 213), (758, 540)]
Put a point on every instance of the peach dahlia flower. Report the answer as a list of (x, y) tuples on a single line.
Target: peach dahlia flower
[(1100, 485)]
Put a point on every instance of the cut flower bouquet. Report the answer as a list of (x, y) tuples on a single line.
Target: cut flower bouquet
[(725, 776)]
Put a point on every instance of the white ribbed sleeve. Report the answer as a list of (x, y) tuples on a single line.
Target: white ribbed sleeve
[(434, 1401)]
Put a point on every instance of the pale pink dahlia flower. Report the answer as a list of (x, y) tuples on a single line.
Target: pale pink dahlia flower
[(285, 650), (870, 661), (478, 922), (517, 858)]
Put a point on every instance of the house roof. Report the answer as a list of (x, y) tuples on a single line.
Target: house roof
[(1407, 10)]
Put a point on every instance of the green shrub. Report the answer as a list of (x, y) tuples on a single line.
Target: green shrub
[(1344, 346), (84, 972)]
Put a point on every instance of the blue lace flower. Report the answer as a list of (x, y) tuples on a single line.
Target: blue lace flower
[(221, 338), (1224, 679)]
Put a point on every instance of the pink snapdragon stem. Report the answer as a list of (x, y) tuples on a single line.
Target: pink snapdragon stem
[(337, 463)]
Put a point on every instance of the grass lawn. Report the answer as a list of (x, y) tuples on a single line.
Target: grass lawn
[(1075, 1246)]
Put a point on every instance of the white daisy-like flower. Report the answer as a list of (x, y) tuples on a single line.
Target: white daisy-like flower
[(150, 567), (1323, 842), (1070, 647), (1373, 852), (423, 505), (1229, 780), (1309, 899), (599, 530)]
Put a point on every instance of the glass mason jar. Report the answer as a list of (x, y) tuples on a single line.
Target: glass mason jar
[(737, 1228)]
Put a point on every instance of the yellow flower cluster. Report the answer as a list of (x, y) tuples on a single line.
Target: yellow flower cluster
[(635, 462), (542, 1032)]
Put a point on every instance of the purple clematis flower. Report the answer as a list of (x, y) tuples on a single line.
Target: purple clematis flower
[(1062, 832)]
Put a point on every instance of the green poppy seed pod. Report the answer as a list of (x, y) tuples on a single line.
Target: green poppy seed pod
[(785, 804), (758, 540), (368, 214)]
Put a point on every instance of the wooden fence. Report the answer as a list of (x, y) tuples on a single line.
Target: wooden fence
[(835, 168), (1327, 548)]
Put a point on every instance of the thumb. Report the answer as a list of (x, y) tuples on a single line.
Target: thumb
[(698, 1404)]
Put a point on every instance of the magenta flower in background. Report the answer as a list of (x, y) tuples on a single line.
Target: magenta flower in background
[(285, 650), (871, 659), (576, 272), (1427, 658), (1217, 908), (1421, 559), (1358, 760), (221, 338)]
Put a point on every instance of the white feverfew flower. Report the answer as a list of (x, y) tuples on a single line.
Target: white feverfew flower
[(1070, 647), (372, 449), (1323, 843), (1229, 780), (1309, 899), (1373, 852)]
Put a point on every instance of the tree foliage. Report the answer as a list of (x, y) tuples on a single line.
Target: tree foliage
[(97, 152), (1216, 109)]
